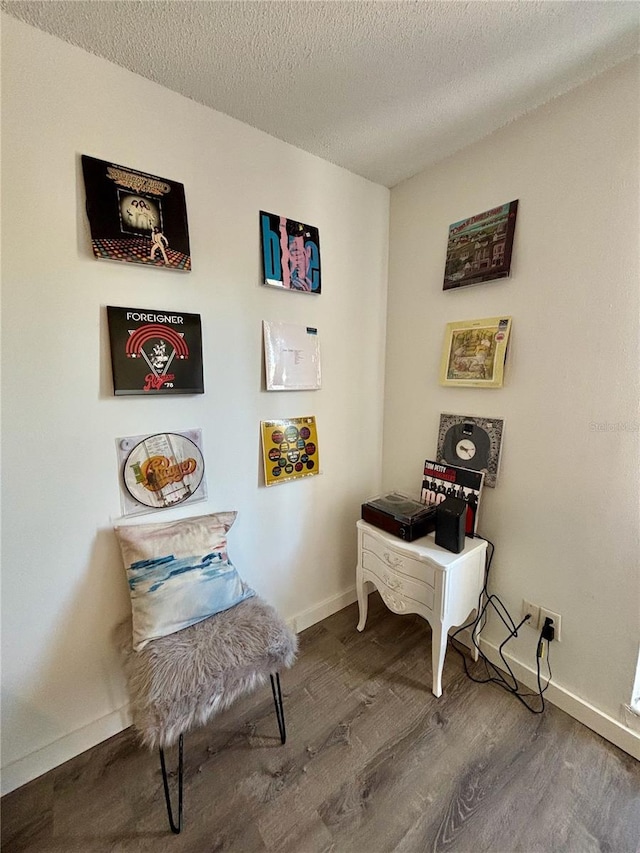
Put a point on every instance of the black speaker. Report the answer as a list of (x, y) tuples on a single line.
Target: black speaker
[(450, 524)]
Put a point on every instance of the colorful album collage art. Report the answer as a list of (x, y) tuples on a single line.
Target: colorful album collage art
[(141, 218), (290, 449)]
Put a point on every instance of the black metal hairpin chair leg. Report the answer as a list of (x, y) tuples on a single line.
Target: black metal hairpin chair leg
[(175, 829), (277, 700)]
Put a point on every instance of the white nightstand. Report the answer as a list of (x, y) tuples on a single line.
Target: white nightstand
[(421, 577)]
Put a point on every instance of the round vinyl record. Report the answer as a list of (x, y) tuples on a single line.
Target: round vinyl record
[(471, 442), (163, 470), (467, 445)]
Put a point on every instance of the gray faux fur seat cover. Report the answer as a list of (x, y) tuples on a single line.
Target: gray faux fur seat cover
[(180, 681)]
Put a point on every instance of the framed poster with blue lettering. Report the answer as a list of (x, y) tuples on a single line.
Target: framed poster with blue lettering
[(290, 254), (155, 352)]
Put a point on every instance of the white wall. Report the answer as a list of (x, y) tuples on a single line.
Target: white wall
[(63, 585), (564, 515)]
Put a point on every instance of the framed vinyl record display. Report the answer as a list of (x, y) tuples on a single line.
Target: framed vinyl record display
[(479, 247), (155, 352), (136, 217), (289, 449), (290, 254), (161, 470), (474, 353), (471, 442)]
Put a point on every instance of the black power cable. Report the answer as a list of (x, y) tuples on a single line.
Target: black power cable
[(493, 674)]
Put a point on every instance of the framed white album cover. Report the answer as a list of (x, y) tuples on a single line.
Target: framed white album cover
[(291, 357)]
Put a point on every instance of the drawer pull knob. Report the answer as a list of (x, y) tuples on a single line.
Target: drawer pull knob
[(392, 582), (392, 560)]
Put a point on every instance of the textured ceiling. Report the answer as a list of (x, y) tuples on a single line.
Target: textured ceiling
[(381, 88)]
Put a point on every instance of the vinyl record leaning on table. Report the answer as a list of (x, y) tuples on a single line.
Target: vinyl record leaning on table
[(471, 442)]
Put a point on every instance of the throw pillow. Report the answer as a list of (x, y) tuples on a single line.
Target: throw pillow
[(179, 573)]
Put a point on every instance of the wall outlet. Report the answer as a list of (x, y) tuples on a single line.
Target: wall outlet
[(533, 609), (557, 622)]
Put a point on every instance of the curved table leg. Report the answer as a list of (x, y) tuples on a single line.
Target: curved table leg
[(363, 601), (439, 634)]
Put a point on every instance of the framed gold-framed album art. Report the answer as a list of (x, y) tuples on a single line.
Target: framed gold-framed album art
[(474, 352)]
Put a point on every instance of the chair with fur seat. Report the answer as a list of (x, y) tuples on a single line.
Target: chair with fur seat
[(180, 681), (200, 638)]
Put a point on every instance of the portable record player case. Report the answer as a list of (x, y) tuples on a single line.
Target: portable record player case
[(400, 515)]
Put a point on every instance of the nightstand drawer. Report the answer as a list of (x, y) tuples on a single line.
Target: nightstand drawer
[(397, 585), (420, 577), (393, 559)]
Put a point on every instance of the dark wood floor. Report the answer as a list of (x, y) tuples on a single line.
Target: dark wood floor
[(373, 763)]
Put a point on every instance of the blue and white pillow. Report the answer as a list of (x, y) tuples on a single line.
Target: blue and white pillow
[(179, 573)]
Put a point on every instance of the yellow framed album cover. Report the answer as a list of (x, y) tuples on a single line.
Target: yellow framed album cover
[(289, 449), (474, 352)]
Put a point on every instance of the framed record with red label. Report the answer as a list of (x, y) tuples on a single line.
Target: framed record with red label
[(155, 352)]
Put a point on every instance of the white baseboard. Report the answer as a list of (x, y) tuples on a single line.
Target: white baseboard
[(631, 718), (608, 727), (320, 611), (23, 770)]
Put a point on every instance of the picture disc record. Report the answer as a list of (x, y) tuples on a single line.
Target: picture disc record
[(163, 470)]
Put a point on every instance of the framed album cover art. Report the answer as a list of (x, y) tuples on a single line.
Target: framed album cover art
[(479, 248), (289, 449), (291, 357), (471, 442), (474, 352), (136, 217), (290, 254), (155, 352), (160, 470)]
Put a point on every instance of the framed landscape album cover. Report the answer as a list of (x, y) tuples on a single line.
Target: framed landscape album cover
[(155, 352), (289, 449), (479, 248), (474, 352), (136, 217), (290, 254)]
